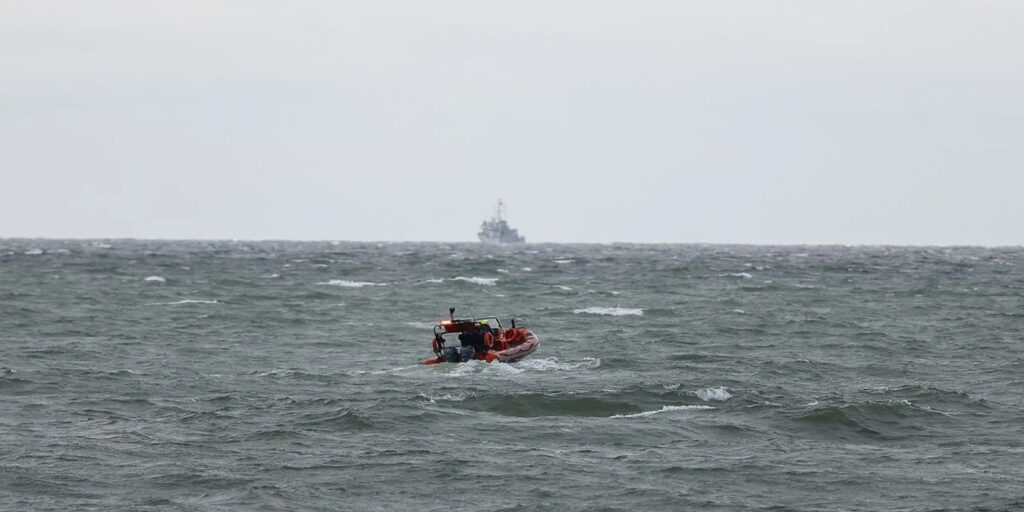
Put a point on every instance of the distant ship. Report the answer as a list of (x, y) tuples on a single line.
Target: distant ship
[(496, 231)]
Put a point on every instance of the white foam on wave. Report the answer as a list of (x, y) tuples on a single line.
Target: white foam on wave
[(616, 311), (563, 287), (667, 408), (439, 280), (447, 397), (34, 252), (744, 275), (345, 283), (477, 367), (563, 262), (421, 325), (526, 269), (553, 364), (155, 279), (486, 281), (719, 394), (474, 367), (397, 369), (184, 301), (502, 271)]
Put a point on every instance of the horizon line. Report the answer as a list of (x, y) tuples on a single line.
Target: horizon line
[(473, 242)]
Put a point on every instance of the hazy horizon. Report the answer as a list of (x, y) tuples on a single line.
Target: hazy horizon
[(781, 123)]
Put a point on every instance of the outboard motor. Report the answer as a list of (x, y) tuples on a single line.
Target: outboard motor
[(451, 354)]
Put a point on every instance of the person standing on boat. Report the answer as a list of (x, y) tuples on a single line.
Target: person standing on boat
[(474, 343)]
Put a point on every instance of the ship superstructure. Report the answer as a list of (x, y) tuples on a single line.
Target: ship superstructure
[(497, 231)]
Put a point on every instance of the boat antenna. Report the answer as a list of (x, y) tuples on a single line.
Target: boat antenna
[(451, 313), (513, 323)]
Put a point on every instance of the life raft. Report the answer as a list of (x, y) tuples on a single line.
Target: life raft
[(482, 339)]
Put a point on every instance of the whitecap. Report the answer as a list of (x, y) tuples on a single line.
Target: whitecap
[(553, 364), (718, 394), (563, 262), (486, 281), (526, 269), (744, 275), (34, 252), (156, 279), (184, 301), (421, 325), (344, 283), (271, 276), (447, 397), (434, 280), (610, 311), (563, 287), (502, 271), (396, 369), (667, 408)]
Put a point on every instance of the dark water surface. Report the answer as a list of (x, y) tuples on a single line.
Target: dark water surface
[(285, 376)]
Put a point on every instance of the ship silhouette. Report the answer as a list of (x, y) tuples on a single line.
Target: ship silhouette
[(497, 231)]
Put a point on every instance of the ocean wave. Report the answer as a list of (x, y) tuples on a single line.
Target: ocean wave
[(553, 364), (446, 397), (667, 408), (563, 287), (486, 281), (887, 419), (397, 369), (719, 394), (616, 311), (334, 420), (33, 252), (537, 405), (184, 301), (421, 325), (743, 275), (156, 279), (480, 367), (344, 283)]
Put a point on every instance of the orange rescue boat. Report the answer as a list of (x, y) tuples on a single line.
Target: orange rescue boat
[(481, 338)]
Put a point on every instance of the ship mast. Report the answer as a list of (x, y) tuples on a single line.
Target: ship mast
[(500, 210)]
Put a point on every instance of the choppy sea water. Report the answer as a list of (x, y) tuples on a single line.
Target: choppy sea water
[(286, 376)]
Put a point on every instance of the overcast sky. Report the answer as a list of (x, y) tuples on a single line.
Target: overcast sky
[(890, 122)]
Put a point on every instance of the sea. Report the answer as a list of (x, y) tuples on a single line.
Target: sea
[(241, 375)]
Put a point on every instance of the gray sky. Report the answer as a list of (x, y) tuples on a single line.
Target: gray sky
[(894, 121)]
